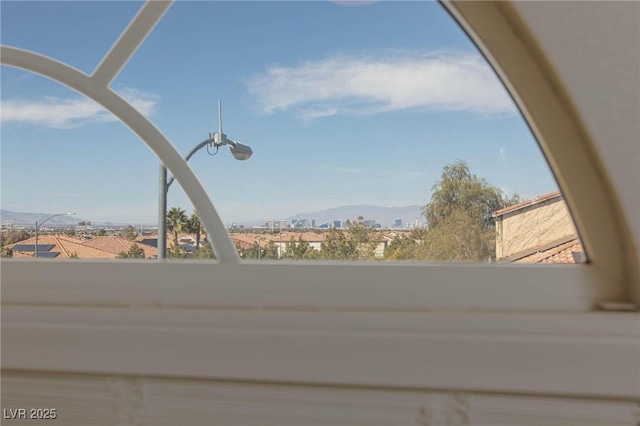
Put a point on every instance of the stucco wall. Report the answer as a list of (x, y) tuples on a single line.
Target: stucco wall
[(533, 226)]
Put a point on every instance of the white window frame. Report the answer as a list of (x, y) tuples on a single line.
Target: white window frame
[(339, 323)]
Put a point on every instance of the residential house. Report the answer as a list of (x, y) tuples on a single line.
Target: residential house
[(539, 230), (65, 247)]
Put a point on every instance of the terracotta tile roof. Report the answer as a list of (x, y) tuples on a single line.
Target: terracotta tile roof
[(95, 248), (562, 253), (111, 244), (66, 246), (149, 251), (246, 240), (243, 244), (69, 246), (527, 203), (312, 237)]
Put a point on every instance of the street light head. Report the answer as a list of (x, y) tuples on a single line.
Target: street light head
[(240, 151)]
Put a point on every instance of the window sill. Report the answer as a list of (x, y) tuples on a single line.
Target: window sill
[(307, 286), (592, 355)]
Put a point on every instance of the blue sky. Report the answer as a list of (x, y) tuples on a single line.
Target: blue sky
[(341, 105)]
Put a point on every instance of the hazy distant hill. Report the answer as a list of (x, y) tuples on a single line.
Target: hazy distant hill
[(382, 215), (20, 218)]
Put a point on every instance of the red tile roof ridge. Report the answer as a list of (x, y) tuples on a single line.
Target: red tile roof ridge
[(82, 246), (553, 251), (543, 255), (526, 203), (312, 236), (61, 247), (67, 237), (122, 243), (564, 253), (32, 241), (107, 243)]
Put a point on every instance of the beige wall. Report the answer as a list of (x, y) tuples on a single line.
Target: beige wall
[(533, 226), (379, 252)]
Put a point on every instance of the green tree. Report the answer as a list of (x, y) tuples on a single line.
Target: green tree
[(460, 225), (174, 251), (134, 252), (299, 249), (6, 252), (253, 252), (205, 251), (408, 247), (459, 190), (13, 236), (366, 238), (129, 233), (337, 246), (74, 255), (358, 242), (290, 249), (176, 220), (403, 248), (101, 233), (459, 237), (193, 226), (270, 250), (419, 234)]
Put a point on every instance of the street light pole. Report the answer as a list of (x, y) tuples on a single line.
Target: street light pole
[(42, 223), (218, 139), (163, 188)]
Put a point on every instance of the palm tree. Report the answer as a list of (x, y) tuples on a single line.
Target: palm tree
[(176, 220), (194, 227), (419, 234)]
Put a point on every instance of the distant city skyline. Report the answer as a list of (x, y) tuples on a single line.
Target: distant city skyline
[(382, 216), (366, 113)]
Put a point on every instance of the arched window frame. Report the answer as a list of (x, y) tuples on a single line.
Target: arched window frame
[(399, 298)]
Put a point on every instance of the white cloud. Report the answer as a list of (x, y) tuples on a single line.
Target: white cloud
[(68, 113), (345, 84), (503, 153), (144, 102)]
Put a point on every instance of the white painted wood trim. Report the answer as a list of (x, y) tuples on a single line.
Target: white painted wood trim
[(304, 286), (532, 81), (594, 355), (107, 400), (129, 41)]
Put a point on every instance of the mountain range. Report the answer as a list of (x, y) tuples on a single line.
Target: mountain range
[(20, 218), (385, 216), (30, 219)]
